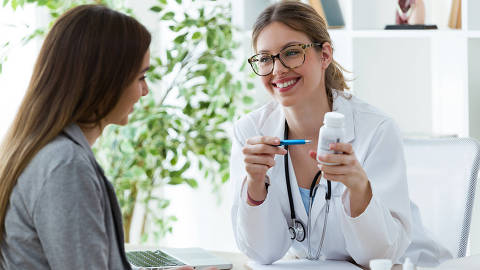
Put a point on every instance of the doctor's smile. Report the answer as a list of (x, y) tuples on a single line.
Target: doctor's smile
[(283, 85)]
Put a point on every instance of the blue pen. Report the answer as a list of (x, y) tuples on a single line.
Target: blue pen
[(292, 142)]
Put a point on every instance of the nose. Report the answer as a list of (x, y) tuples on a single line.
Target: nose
[(278, 67), (145, 89)]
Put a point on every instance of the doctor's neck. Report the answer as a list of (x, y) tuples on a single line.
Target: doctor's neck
[(305, 119)]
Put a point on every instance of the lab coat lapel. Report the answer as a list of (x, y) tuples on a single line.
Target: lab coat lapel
[(300, 211), (274, 126), (341, 105)]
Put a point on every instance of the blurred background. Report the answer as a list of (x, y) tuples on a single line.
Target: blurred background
[(170, 164)]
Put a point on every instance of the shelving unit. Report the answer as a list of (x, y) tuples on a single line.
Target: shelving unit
[(419, 77)]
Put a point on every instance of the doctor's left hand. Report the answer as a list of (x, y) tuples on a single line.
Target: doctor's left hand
[(348, 172)]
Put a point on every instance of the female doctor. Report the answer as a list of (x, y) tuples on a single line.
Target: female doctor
[(363, 213)]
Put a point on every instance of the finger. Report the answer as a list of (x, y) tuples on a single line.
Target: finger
[(264, 140), (335, 177), (263, 149), (334, 158), (342, 147), (335, 169), (256, 169), (260, 159), (313, 154)]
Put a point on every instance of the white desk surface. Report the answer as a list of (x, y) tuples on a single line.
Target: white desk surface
[(239, 260)]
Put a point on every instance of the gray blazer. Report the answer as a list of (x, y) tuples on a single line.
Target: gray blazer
[(63, 212)]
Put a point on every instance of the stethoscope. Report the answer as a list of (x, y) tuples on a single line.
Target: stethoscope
[(297, 230)]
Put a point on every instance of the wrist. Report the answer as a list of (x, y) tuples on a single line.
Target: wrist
[(360, 199), (257, 191)]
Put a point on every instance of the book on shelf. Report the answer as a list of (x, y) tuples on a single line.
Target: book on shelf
[(330, 10), (455, 20)]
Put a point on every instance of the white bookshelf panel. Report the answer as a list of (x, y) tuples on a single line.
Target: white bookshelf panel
[(473, 15), (449, 85), (366, 14), (394, 75), (474, 87)]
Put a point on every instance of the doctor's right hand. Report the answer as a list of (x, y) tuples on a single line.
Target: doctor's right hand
[(259, 156)]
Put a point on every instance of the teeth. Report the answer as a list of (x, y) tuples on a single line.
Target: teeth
[(286, 84)]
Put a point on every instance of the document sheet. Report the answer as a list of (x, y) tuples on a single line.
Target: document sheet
[(304, 264)]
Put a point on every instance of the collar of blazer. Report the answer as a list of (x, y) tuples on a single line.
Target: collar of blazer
[(74, 133)]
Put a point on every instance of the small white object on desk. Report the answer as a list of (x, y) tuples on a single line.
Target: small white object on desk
[(408, 265), (381, 264)]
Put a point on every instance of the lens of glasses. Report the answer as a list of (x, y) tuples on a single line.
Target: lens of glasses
[(291, 57), (262, 63)]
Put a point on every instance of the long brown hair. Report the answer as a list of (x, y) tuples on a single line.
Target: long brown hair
[(89, 57), (303, 18)]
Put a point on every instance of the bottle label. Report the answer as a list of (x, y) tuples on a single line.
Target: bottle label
[(324, 149)]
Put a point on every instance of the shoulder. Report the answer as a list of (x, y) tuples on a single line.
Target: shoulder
[(364, 110), (366, 116), (59, 153), (366, 124), (60, 166), (259, 116), (254, 122)]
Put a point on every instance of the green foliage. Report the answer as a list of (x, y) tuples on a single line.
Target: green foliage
[(177, 134), (173, 137)]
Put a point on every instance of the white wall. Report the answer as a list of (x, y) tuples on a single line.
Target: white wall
[(17, 70)]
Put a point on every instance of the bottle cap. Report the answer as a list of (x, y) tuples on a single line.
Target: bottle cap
[(381, 264), (334, 119)]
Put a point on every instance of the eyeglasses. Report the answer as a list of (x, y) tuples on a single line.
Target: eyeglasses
[(291, 57)]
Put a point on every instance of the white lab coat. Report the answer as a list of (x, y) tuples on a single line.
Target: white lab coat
[(383, 230)]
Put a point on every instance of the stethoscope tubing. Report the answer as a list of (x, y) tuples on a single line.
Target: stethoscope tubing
[(313, 191)]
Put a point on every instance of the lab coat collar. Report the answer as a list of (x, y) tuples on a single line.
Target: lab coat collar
[(342, 105)]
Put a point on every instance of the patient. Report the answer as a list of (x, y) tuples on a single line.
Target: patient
[(57, 208)]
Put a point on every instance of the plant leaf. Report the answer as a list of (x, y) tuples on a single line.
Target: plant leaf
[(168, 16), (156, 9), (180, 39)]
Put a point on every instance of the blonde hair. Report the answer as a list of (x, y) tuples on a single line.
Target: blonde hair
[(88, 59), (303, 18)]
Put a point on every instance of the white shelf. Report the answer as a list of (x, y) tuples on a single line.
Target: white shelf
[(401, 33), (473, 34)]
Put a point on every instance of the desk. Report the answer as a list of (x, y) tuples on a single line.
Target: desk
[(239, 260), (467, 263)]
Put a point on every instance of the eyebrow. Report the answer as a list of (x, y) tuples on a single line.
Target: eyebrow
[(145, 69), (284, 46)]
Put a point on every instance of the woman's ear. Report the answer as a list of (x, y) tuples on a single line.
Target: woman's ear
[(326, 54)]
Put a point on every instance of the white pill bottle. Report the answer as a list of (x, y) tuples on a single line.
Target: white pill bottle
[(332, 131)]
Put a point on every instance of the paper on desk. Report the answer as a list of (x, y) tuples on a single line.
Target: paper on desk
[(304, 264)]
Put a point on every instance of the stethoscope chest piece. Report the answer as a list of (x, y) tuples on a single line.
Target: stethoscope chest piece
[(297, 232)]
